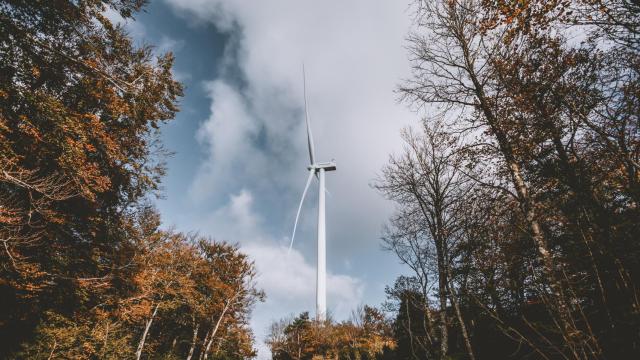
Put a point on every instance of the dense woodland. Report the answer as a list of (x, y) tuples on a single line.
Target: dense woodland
[(85, 270), (517, 197)]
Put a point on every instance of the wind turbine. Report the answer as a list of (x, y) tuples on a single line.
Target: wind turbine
[(318, 170)]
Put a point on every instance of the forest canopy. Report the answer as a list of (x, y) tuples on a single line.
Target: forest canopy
[(85, 269)]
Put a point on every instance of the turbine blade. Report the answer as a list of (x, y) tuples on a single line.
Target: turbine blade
[(307, 120), (304, 193)]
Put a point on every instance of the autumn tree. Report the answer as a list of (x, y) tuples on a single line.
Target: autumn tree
[(367, 335), (86, 270), (544, 94), (79, 107), (178, 285), (191, 297), (234, 294), (580, 98)]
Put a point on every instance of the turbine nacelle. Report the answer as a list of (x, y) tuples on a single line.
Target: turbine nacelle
[(327, 166)]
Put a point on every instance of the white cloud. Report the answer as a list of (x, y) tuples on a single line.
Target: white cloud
[(291, 280), (354, 55)]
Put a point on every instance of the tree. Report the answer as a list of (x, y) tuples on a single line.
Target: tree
[(428, 185), (366, 336), (85, 267), (79, 106), (174, 289), (234, 292), (579, 99), (412, 328), (542, 262), (452, 67)]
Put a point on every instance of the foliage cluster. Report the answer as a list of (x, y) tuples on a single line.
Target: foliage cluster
[(368, 335)]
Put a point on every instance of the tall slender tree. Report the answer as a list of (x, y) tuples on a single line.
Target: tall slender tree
[(427, 183)]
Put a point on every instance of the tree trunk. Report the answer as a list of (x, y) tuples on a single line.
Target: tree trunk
[(442, 294), (204, 344), (53, 349), (441, 254), (215, 329), (463, 327), (408, 328), (193, 342), (437, 232), (146, 331), (106, 340)]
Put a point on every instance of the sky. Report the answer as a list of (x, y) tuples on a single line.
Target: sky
[(239, 142)]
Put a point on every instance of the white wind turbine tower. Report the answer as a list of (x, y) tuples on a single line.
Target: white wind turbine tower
[(317, 169)]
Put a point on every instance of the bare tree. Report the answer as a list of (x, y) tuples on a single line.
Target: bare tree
[(452, 56), (426, 183)]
